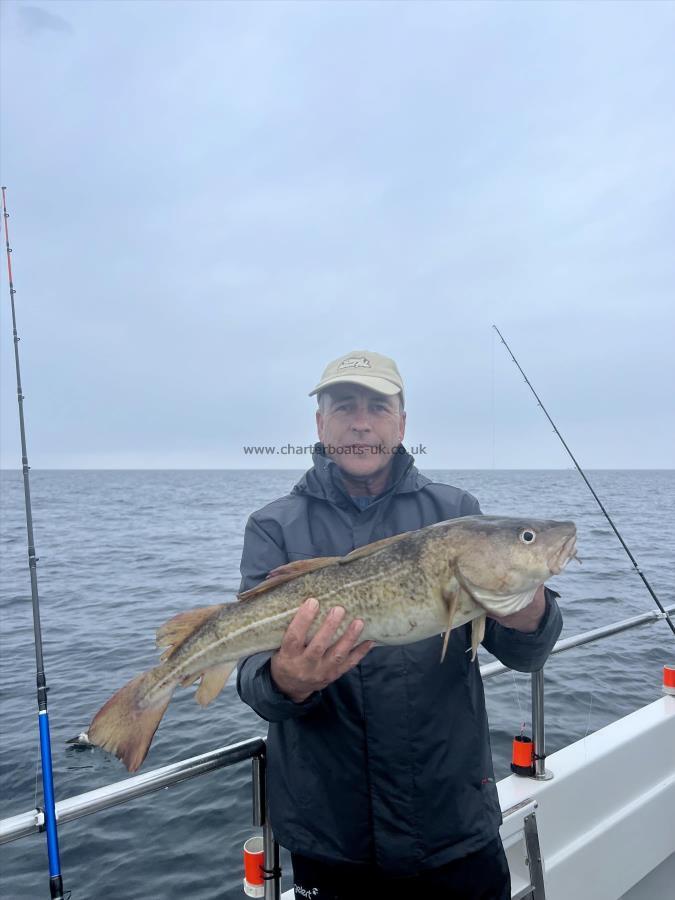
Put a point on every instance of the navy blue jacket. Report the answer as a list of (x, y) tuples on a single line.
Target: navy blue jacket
[(390, 764)]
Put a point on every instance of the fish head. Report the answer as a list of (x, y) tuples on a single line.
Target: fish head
[(500, 562)]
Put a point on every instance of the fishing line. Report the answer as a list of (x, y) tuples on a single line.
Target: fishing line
[(49, 809), (637, 568), (493, 402), (590, 710), (520, 706)]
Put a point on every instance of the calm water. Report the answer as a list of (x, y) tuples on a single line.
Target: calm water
[(120, 552)]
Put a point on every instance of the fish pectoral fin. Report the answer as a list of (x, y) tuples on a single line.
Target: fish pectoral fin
[(288, 572), (213, 681), (477, 634), (464, 584), (178, 628), (451, 597), (373, 547)]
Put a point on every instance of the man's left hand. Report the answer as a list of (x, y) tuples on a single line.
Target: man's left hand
[(526, 619)]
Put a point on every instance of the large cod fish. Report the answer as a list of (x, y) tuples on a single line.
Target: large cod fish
[(405, 588)]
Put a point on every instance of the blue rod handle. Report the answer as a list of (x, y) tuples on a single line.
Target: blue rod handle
[(48, 790)]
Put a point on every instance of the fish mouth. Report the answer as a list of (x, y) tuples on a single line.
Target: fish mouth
[(568, 551)]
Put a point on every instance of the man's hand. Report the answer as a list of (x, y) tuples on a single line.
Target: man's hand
[(299, 668), (527, 619)]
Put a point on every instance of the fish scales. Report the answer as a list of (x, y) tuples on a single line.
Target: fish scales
[(397, 592)]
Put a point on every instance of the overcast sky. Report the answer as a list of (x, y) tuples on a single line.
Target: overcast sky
[(209, 201)]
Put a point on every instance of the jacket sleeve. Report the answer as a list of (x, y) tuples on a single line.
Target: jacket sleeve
[(469, 506), (263, 551), (525, 651)]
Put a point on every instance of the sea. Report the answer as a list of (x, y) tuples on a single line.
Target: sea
[(122, 551)]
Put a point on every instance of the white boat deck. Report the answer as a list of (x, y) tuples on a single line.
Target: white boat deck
[(606, 821)]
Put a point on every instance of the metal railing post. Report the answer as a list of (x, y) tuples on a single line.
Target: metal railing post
[(261, 819), (538, 735), (258, 788), (271, 856)]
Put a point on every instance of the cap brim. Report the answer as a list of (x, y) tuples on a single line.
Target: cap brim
[(379, 385)]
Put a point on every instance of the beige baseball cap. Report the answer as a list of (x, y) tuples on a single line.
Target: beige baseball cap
[(371, 370)]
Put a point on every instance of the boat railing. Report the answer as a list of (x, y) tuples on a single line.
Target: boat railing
[(15, 827), (587, 637), (119, 792)]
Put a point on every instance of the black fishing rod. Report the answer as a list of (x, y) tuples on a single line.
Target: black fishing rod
[(637, 568), (49, 811)]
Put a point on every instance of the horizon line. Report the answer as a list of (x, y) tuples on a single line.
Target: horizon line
[(289, 469)]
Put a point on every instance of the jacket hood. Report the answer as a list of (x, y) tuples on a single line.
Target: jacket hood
[(324, 480)]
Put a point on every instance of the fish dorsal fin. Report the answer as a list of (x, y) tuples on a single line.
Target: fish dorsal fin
[(292, 570), (288, 572), (369, 549), (174, 632), (302, 566)]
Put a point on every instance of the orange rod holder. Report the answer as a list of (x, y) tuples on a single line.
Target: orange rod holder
[(522, 755), (669, 680), (254, 858)]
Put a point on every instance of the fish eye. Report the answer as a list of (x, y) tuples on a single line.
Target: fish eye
[(528, 536)]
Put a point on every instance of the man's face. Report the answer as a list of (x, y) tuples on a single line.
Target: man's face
[(354, 422)]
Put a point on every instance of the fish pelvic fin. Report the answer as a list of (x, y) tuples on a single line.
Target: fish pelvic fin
[(127, 723), (451, 597), (180, 627), (213, 681), (477, 624), (477, 634)]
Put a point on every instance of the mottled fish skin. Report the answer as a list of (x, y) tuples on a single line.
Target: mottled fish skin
[(406, 588), (400, 590)]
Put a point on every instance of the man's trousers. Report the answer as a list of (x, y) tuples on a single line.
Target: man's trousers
[(483, 875)]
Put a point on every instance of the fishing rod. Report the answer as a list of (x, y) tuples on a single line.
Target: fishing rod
[(49, 811), (637, 568)]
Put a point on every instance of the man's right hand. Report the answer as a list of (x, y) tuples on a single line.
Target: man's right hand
[(300, 667)]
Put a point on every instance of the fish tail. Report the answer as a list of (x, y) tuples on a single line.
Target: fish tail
[(127, 723)]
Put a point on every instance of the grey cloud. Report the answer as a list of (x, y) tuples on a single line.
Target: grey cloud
[(209, 204), (35, 20)]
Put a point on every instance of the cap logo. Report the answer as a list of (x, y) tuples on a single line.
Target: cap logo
[(355, 362)]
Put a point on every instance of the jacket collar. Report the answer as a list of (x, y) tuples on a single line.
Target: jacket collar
[(324, 480)]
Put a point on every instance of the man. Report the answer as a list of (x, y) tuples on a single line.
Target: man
[(379, 765)]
